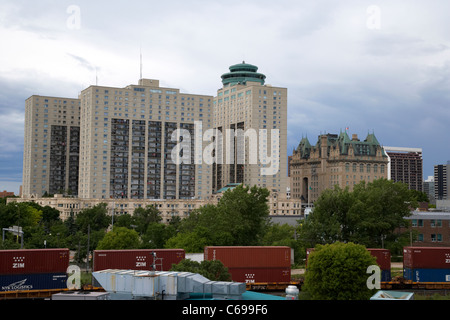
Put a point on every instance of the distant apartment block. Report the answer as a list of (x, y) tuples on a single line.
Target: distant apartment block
[(428, 188), (51, 146), (406, 165), (4, 194), (441, 181), (126, 142), (278, 205)]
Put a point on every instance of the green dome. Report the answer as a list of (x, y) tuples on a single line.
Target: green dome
[(241, 73)]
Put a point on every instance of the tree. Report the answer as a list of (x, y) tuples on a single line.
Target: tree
[(119, 238), (212, 270), (368, 215), (157, 235), (241, 217), (380, 209), (143, 217), (96, 218), (191, 242), (246, 209), (338, 271), (124, 220), (284, 235)]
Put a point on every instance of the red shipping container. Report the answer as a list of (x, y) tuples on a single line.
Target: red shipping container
[(260, 275), (33, 261), (250, 257), (383, 257), (137, 259), (426, 257)]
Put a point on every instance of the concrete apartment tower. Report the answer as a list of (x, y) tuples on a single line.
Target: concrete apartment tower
[(250, 117), (119, 143), (406, 165), (441, 181), (126, 142), (51, 146)]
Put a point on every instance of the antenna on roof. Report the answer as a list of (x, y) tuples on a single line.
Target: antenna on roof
[(141, 63)]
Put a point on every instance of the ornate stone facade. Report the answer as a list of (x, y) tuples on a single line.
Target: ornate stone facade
[(335, 160)]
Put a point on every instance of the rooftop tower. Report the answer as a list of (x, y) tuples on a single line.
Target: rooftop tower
[(241, 73)]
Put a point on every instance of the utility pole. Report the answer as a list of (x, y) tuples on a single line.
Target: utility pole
[(87, 257)]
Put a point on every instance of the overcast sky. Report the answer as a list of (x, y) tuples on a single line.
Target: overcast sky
[(372, 66)]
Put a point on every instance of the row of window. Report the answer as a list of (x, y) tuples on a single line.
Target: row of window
[(361, 168), (433, 237), (433, 223)]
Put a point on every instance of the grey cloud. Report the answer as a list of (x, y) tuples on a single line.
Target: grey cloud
[(83, 62)]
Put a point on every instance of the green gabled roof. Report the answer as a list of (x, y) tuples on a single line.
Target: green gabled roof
[(372, 139), (367, 147), (304, 147), (344, 141)]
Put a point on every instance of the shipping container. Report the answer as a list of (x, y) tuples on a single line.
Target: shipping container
[(383, 257), (33, 261), (427, 275), (145, 259), (426, 257), (260, 275), (250, 257), (30, 282)]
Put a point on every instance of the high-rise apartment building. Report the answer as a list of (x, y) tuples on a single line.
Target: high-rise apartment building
[(428, 188), (126, 142), (405, 165), (123, 143), (51, 146), (250, 118), (335, 160), (441, 181)]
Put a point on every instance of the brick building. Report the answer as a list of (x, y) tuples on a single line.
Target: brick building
[(432, 228), (5, 194)]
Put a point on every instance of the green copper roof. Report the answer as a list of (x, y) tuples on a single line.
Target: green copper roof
[(304, 148), (241, 73), (342, 142)]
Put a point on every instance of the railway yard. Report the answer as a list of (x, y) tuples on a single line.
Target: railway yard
[(39, 274)]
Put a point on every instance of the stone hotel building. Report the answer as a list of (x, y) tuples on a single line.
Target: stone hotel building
[(335, 160)]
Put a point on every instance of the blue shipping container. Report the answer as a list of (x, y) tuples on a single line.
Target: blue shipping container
[(386, 275), (27, 282), (427, 275)]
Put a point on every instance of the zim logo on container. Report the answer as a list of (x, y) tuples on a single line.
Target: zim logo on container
[(249, 278), (447, 258), (140, 261), (18, 262)]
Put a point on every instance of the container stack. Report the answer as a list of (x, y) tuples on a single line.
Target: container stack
[(383, 257), (254, 264), (426, 264), (145, 259), (31, 270)]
